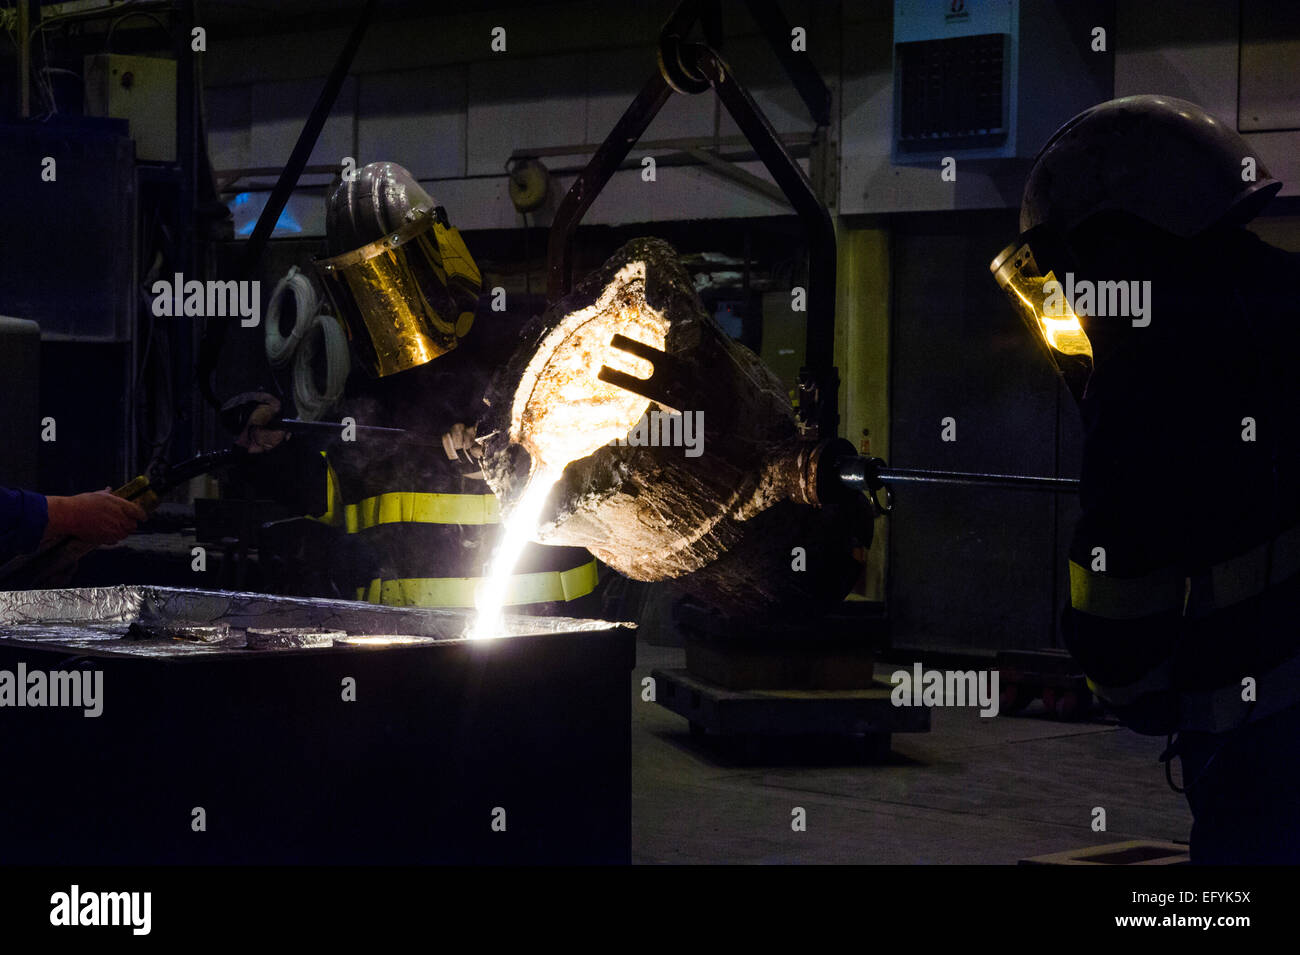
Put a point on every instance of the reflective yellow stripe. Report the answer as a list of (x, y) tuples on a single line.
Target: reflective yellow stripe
[(1231, 581), (398, 507), (541, 587), (1221, 710), (1125, 598), (331, 515), (1250, 574), (1215, 711)]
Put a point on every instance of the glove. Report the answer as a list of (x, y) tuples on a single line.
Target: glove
[(460, 445), (247, 416)]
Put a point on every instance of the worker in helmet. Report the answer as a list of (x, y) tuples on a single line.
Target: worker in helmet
[(1185, 564), (419, 520)]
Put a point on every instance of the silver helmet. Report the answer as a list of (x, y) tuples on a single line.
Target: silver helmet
[(399, 276), (381, 198)]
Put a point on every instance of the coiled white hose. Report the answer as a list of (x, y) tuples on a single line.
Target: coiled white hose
[(280, 347), (324, 332)]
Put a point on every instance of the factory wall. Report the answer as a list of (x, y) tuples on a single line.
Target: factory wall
[(1234, 59), (972, 567), (454, 115), (922, 334)]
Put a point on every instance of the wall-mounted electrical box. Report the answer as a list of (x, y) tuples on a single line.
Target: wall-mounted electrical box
[(992, 79), (141, 90)]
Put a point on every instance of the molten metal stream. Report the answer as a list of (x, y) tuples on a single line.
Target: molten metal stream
[(563, 412), (517, 531)]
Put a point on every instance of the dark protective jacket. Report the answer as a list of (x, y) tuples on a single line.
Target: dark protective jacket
[(1185, 566), (422, 526), (23, 517)]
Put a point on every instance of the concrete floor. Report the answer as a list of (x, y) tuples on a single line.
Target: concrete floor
[(972, 790)]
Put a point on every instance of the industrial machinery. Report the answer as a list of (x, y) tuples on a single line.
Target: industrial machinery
[(177, 726), (240, 728), (759, 528)]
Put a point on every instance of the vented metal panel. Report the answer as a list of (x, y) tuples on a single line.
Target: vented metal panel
[(952, 92)]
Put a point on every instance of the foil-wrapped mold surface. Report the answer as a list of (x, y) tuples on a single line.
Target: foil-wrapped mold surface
[(146, 621)]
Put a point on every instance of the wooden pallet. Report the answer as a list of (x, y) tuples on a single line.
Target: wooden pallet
[(712, 709), (1132, 852), (838, 652)]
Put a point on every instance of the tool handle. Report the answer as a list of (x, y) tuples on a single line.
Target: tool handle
[(55, 560)]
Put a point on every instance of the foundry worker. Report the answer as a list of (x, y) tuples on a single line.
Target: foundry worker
[(1179, 346), (28, 519), (419, 518)]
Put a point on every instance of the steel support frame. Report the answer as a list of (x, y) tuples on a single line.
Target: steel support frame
[(704, 68)]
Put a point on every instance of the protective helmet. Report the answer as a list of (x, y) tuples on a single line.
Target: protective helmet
[(1162, 160), (398, 274)]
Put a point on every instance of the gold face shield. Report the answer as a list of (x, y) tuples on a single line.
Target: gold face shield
[(406, 298), (1041, 303)]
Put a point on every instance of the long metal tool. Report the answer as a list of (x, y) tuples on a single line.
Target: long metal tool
[(214, 336), (336, 429), (870, 475), (55, 562), (1017, 482)]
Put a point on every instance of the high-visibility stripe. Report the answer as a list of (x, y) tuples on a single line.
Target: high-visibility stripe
[(1225, 709), (1250, 574), (1231, 582), (1215, 711), (542, 587), (332, 495), (397, 507), (1125, 598)]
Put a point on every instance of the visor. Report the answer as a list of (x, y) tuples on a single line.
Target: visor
[(1041, 303), (406, 298)]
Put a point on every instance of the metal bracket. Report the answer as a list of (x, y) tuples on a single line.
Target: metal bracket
[(669, 385), (682, 67)]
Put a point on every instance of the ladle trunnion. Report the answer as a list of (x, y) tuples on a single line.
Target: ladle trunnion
[(722, 514)]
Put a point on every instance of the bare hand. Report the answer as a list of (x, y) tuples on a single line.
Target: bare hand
[(97, 517)]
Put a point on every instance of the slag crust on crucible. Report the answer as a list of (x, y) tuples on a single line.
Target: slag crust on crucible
[(562, 412)]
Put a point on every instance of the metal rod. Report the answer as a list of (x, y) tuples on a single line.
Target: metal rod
[(581, 149), (807, 81), (789, 175), (335, 429), (188, 432), (1017, 482), (29, 20), (302, 149), (592, 179), (744, 177), (214, 335)]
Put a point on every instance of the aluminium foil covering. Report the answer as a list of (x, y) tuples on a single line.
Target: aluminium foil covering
[(101, 619)]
